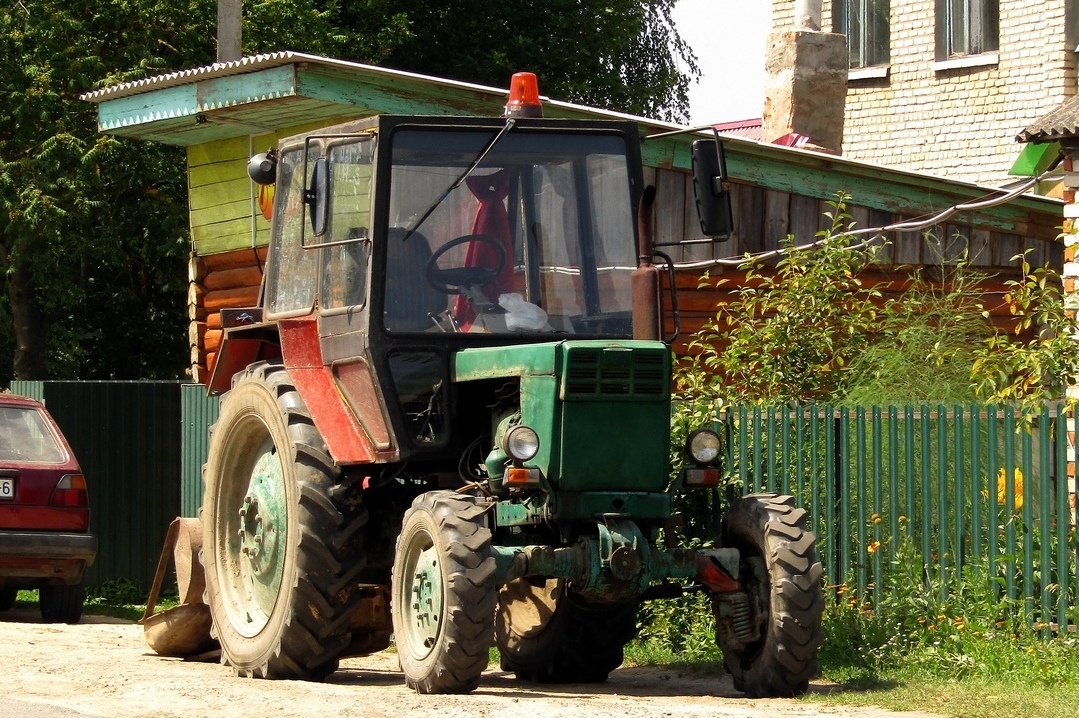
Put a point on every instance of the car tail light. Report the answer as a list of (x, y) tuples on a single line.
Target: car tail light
[(70, 492)]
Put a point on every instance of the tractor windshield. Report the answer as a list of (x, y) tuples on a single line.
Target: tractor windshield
[(538, 238)]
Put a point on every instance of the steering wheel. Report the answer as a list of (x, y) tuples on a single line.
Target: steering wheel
[(452, 280)]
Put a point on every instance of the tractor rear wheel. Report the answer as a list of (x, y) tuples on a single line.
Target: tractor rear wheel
[(282, 534), (444, 593), (547, 634), (780, 576)]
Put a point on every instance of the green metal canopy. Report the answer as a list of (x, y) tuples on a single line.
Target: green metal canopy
[(265, 93), (270, 93)]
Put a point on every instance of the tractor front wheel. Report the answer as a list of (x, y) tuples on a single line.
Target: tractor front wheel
[(770, 631), (282, 534), (444, 593), (547, 634)]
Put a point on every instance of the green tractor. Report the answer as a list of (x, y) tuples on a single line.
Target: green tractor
[(447, 423)]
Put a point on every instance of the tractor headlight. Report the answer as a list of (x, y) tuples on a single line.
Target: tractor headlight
[(703, 446), (521, 442)]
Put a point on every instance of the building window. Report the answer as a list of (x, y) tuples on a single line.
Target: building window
[(865, 23), (967, 27)]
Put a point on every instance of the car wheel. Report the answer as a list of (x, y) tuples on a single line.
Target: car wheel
[(61, 604)]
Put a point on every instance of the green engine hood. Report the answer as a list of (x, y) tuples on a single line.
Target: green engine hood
[(601, 408)]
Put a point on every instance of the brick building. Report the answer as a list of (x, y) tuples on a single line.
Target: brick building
[(944, 86)]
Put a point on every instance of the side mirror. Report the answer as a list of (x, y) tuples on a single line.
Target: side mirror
[(711, 188), (317, 196)]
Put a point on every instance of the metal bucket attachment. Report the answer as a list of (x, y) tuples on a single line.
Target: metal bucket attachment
[(180, 632), (184, 630), (190, 578)]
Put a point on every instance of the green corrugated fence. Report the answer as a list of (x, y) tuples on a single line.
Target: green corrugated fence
[(198, 414), (962, 491), (127, 438)]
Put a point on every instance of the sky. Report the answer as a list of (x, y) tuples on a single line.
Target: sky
[(728, 38)]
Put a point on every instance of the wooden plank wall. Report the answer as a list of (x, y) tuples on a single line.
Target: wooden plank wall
[(699, 303), (764, 217), (221, 198)]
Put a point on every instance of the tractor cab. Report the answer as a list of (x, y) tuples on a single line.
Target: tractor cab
[(485, 230), (401, 241)]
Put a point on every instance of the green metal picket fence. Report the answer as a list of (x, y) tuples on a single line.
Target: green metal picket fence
[(964, 490)]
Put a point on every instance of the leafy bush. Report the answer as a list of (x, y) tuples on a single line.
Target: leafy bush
[(809, 330), (792, 331), (116, 592), (1032, 371)]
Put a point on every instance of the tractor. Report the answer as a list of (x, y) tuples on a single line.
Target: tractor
[(446, 424)]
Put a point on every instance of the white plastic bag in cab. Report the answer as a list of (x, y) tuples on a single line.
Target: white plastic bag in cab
[(522, 316)]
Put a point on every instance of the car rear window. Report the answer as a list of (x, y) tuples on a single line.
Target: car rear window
[(25, 436)]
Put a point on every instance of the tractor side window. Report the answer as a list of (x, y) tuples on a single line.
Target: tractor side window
[(344, 265), (291, 281), (615, 261)]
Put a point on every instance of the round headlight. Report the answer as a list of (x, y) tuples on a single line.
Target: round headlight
[(703, 446), (521, 442)]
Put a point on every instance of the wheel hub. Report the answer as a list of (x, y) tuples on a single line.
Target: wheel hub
[(258, 531), (261, 529), (425, 602)]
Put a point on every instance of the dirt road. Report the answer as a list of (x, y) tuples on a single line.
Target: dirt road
[(102, 667)]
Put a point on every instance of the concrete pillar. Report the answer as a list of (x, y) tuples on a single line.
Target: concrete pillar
[(229, 24), (806, 87), (807, 15)]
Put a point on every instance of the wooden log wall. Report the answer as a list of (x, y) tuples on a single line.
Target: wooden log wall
[(225, 280)]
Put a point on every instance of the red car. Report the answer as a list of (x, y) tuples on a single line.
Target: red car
[(45, 541)]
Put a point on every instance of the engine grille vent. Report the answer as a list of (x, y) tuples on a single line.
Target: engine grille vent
[(609, 372)]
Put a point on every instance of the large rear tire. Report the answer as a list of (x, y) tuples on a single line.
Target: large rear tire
[(283, 539), (547, 634), (780, 574), (444, 593)]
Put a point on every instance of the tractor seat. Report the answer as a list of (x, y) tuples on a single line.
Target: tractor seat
[(409, 299)]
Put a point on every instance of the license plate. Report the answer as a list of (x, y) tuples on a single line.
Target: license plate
[(7, 489)]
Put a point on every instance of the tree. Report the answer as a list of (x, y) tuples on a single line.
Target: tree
[(93, 238), (622, 55)]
